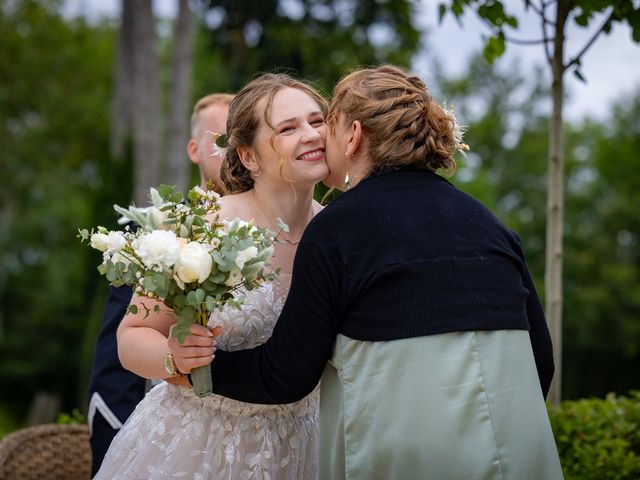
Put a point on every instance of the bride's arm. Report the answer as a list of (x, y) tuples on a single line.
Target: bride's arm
[(142, 342)]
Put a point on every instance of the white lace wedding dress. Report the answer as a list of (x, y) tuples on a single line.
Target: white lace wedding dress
[(174, 434)]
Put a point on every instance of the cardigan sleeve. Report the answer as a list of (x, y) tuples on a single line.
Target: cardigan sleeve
[(539, 335), (289, 365)]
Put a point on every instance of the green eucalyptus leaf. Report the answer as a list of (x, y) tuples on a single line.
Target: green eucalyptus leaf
[(165, 190), (181, 330)]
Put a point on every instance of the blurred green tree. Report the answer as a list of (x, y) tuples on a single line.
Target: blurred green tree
[(506, 169), (56, 176), (317, 39), (553, 16)]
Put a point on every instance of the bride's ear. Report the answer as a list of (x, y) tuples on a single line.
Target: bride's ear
[(248, 158), (355, 142)]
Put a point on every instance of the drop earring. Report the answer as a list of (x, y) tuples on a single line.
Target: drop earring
[(347, 183)]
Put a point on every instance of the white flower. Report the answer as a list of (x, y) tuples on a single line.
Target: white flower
[(158, 248), (100, 241), (108, 243), (245, 255), (235, 277), (215, 242), (116, 241), (194, 263)]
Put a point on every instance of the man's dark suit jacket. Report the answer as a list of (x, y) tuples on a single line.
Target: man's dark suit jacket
[(113, 391)]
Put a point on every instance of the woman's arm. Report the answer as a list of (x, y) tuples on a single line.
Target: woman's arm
[(289, 366), (539, 335), (142, 342)]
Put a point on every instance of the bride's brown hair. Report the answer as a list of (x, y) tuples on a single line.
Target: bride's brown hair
[(402, 123), (243, 122)]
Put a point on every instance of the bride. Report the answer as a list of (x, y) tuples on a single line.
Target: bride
[(276, 139)]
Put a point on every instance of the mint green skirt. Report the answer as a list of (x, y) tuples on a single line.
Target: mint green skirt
[(455, 406)]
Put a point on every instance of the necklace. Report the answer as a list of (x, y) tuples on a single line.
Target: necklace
[(276, 228)]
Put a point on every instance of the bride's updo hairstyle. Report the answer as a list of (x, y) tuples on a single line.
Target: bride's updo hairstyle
[(403, 125), (243, 123)]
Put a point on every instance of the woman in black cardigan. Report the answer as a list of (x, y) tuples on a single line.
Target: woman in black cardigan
[(412, 302)]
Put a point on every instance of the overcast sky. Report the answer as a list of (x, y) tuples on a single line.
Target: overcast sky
[(611, 66)]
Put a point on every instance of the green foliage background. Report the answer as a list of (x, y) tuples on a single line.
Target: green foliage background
[(56, 174)]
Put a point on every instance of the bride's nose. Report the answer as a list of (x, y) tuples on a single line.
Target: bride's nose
[(310, 133)]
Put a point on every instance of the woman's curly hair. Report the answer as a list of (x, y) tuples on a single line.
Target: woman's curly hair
[(404, 126)]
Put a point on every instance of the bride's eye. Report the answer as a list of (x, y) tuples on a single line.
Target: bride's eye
[(286, 129)]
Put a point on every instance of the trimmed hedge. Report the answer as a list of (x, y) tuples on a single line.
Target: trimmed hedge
[(598, 439)]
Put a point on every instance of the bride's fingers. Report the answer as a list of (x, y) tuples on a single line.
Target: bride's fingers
[(192, 352), (197, 329), (185, 365), (191, 341)]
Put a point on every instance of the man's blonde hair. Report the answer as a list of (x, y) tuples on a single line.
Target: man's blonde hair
[(205, 102)]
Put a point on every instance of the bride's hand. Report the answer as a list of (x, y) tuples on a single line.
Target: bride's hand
[(197, 349)]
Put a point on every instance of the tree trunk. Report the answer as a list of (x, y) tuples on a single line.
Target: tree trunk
[(181, 63), (121, 102), (555, 204), (146, 101)]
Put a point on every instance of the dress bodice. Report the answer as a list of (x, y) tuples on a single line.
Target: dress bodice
[(251, 324), (174, 433)]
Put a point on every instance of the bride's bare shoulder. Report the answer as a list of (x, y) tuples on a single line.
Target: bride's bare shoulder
[(235, 205)]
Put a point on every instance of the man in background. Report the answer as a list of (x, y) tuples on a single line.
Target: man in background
[(113, 391)]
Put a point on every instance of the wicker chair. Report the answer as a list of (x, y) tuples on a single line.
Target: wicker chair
[(46, 452)]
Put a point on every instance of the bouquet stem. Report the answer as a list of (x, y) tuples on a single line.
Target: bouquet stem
[(201, 376), (201, 379)]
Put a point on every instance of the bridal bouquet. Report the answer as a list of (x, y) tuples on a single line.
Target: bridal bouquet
[(184, 255)]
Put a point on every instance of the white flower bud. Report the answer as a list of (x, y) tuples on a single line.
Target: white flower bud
[(100, 241)]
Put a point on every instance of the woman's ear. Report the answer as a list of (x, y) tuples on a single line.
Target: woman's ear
[(248, 158), (354, 143)]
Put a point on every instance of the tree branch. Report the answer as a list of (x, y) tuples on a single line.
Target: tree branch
[(519, 41), (543, 23), (576, 58)]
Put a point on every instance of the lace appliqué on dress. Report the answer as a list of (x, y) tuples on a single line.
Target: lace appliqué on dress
[(174, 434)]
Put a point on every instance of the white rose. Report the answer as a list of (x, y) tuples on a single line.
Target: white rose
[(235, 277), (116, 241), (245, 255), (100, 241), (194, 263), (158, 248)]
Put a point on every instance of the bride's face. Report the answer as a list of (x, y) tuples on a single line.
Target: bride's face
[(291, 146)]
